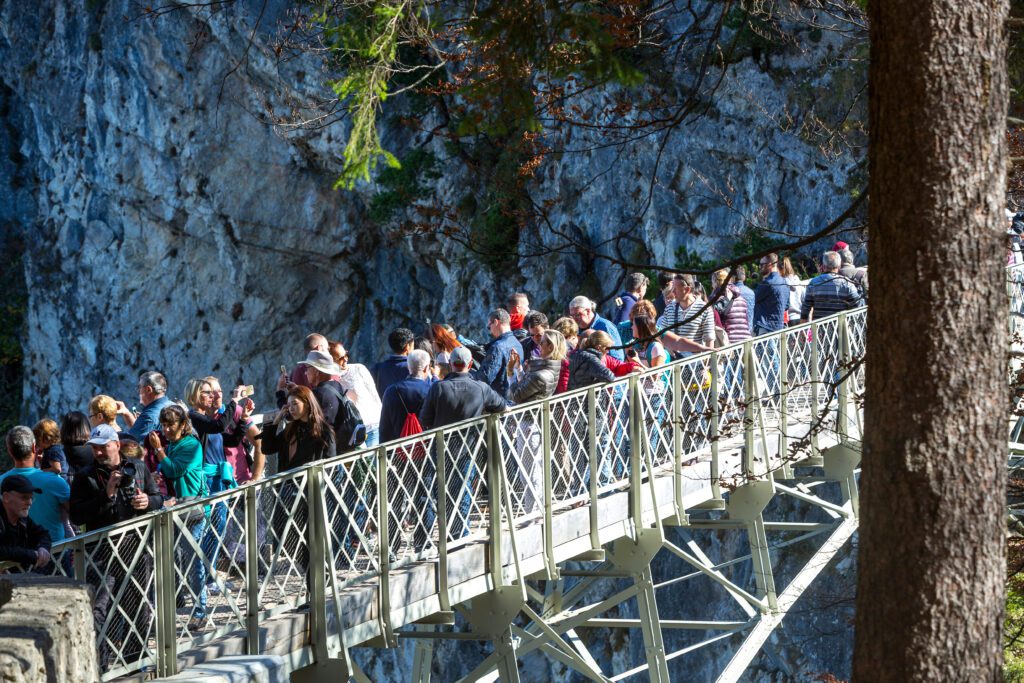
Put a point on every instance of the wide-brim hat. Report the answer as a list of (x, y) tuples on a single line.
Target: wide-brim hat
[(322, 362)]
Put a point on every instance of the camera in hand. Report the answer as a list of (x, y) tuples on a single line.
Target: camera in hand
[(129, 474)]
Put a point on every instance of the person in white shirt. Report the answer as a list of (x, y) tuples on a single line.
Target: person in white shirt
[(359, 388)]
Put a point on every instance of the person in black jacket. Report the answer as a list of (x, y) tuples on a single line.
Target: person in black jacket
[(115, 489), (455, 398), (74, 432), (100, 495), (21, 540), (299, 435), (338, 410)]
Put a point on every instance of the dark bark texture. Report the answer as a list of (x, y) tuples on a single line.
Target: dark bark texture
[(931, 553)]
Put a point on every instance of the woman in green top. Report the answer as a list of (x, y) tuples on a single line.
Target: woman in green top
[(182, 467)]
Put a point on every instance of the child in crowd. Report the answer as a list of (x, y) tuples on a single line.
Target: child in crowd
[(49, 447)]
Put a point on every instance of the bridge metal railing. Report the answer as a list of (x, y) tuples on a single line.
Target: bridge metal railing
[(313, 534)]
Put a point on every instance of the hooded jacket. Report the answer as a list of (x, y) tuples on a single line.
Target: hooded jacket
[(586, 367)]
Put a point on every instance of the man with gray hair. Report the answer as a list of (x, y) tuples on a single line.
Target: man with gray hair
[(518, 309), (829, 292), (153, 397), (405, 397), (858, 276), (584, 312), (501, 348), (410, 474), (50, 505)]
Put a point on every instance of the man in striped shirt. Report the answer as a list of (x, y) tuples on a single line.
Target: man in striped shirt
[(699, 325), (829, 292)]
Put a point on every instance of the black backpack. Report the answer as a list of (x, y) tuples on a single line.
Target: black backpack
[(349, 430)]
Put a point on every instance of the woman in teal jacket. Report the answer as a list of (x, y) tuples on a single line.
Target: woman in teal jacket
[(182, 467)]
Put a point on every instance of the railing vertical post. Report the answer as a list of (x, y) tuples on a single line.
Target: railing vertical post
[(545, 440), (79, 560), (751, 406), (786, 469), (815, 376), (594, 465), (716, 418), (842, 417), (252, 576), (316, 535), (166, 593), (441, 502), (636, 491), (384, 544), (494, 500), (675, 392)]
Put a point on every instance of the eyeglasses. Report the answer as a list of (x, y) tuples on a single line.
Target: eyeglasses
[(209, 392), (95, 414)]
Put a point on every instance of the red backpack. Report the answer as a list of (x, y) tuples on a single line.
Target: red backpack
[(410, 427)]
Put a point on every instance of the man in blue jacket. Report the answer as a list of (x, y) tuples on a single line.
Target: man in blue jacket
[(584, 312), (771, 297), (492, 369), (393, 368), (153, 397)]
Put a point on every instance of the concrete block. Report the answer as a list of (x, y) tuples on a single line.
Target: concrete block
[(235, 669), (46, 630)]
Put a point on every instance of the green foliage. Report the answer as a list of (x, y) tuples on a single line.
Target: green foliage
[(503, 54), (496, 217), (755, 35), (750, 241), (365, 41), (403, 185), (1013, 644)]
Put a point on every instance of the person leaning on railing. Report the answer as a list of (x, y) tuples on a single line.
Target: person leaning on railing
[(182, 467), (22, 541)]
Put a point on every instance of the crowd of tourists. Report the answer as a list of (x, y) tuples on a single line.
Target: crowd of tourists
[(111, 462)]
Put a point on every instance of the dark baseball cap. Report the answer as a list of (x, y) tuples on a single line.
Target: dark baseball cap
[(19, 484)]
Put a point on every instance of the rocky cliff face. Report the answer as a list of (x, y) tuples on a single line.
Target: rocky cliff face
[(166, 225)]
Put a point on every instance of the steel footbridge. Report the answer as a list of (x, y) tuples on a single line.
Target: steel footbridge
[(508, 522)]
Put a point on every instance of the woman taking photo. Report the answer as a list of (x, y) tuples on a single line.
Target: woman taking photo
[(181, 463), (299, 435), (305, 436)]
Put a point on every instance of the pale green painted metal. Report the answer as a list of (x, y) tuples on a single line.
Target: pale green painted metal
[(549, 540), (384, 548), (252, 567), (713, 428), (784, 389), (166, 629), (316, 540), (594, 464), (441, 482)]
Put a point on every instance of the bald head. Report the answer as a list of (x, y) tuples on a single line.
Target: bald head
[(316, 342)]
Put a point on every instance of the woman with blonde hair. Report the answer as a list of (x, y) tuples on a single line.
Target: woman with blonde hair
[(539, 378), (103, 410), (797, 289)]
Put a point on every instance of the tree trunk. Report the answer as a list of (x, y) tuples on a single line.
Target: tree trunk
[(931, 563)]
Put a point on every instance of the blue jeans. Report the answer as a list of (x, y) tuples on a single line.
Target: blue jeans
[(197, 567), (372, 436), (460, 487)]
